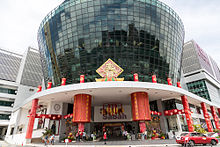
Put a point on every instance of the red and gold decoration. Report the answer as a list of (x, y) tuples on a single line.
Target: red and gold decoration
[(169, 81), (49, 85), (112, 109), (207, 117), (187, 113), (82, 108), (178, 84), (215, 116), (140, 106), (218, 111), (142, 126), (155, 113), (135, 77), (63, 83), (48, 116), (154, 79), (32, 118), (109, 71), (173, 112), (82, 78), (39, 88)]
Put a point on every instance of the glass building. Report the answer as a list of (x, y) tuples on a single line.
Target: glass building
[(141, 36)]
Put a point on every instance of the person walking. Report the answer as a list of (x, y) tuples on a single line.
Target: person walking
[(105, 137)]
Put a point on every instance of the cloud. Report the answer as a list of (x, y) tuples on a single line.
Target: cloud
[(20, 20), (201, 22)]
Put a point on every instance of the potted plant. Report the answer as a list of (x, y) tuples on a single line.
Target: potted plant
[(153, 136)]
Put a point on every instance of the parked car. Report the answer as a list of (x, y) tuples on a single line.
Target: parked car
[(212, 134), (193, 138)]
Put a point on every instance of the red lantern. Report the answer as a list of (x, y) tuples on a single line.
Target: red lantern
[(63, 83), (135, 77), (154, 79)]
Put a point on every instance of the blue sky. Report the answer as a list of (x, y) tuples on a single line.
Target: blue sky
[(20, 20)]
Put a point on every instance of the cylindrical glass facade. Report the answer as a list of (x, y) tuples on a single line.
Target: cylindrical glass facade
[(141, 36)]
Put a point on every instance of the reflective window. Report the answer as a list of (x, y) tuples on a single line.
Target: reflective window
[(143, 37)]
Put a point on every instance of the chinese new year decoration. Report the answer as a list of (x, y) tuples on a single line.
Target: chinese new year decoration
[(112, 109), (109, 71)]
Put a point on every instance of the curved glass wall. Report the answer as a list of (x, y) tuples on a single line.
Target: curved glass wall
[(141, 36)]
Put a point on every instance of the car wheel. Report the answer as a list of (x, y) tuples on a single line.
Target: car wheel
[(191, 143), (204, 144), (213, 142)]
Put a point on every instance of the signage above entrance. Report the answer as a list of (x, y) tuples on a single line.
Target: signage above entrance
[(109, 71), (119, 117)]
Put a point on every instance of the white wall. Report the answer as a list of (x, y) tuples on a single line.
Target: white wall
[(23, 93)]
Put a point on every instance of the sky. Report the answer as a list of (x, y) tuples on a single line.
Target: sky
[(20, 20)]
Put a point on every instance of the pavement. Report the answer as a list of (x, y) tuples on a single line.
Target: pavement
[(136, 143)]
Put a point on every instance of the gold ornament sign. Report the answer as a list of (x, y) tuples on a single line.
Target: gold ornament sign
[(109, 71)]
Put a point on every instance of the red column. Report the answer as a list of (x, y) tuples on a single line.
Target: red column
[(136, 77), (82, 110), (215, 116), (31, 119), (154, 79), (32, 116), (63, 83), (169, 81), (207, 117), (49, 85), (187, 113), (140, 108), (219, 111)]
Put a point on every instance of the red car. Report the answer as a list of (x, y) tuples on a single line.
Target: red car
[(196, 138)]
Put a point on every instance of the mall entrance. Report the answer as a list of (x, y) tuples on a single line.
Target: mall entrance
[(115, 130)]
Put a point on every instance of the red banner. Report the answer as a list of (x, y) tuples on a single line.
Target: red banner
[(140, 106), (82, 108)]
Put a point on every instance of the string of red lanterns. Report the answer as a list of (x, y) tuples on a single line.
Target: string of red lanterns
[(48, 116), (156, 113), (174, 112)]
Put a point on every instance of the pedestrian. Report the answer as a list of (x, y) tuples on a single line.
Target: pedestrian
[(84, 136), (45, 138), (52, 139), (105, 137)]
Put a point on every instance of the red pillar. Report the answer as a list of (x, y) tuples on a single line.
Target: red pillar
[(63, 83), (82, 78), (219, 111), (169, 81), (207, 117), (140, 108), (154, 79), (187, 113), (82, 110), (136, 77), (215, 116), (31, 119)]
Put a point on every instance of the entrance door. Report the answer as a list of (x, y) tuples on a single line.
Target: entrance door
[(114, 131)]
